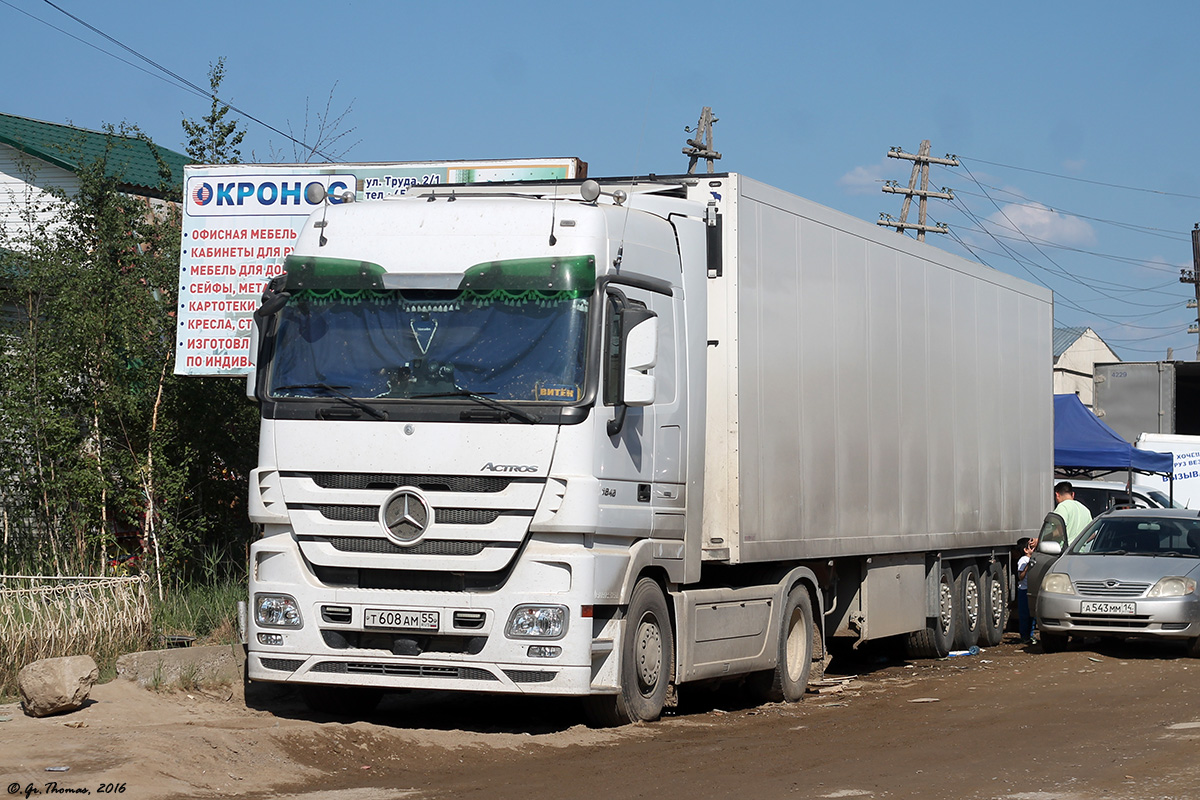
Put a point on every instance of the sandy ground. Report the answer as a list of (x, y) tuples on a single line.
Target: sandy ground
[(1096, 722)]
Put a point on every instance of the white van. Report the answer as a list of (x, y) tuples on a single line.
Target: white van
[(1101, 496), (1186, 450)]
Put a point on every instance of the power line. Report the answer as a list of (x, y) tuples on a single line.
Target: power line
[(181, 82), (1014, 226), (1086, 180), (97, 48), (1026, 263), (1030, 203)]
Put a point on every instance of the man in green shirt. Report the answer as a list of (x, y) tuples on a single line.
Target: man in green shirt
[(1074, 513)]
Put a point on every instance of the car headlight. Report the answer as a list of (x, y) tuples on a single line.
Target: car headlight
[(537, 622), (277, 611), (1172, 587), (1057, 583)]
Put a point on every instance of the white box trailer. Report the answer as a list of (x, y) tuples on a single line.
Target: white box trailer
[(756, 424)]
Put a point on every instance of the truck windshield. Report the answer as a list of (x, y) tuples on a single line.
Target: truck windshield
[(511, 331)]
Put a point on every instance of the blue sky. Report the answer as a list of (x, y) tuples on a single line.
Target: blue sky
[(1075, 122)]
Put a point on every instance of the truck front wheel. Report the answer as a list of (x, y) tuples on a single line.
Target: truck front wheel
[(647, 662)]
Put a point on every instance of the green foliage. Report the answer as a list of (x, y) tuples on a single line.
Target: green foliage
[(104, 450), (205, 610), (214, 140)]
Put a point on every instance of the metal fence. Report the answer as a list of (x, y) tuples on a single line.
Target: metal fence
[(46, 617)]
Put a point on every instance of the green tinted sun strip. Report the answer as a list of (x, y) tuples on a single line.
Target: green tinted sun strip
[(573, 275), (315, 273)]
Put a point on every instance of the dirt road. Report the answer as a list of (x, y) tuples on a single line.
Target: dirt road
[(1101, 722)]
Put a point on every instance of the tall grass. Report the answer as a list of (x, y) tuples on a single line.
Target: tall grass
[(206, 611)]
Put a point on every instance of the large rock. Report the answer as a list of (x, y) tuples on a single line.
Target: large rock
[(55, 685)]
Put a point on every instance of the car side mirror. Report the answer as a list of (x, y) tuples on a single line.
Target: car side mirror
[(1050, 548)]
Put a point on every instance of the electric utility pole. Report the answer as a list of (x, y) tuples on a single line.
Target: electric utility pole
[(921, 162), (1190, 276), (700, 146)]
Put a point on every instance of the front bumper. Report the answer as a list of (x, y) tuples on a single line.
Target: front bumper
[(1159, 617), (468, 651)]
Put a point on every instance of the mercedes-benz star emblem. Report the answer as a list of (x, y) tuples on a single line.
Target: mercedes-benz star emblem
[(406, 515)]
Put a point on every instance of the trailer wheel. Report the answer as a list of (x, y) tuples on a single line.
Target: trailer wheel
[(995, 604), (647, 662), (968, 594), (935, 640), (340, 701)]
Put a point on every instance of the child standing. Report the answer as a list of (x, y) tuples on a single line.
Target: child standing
[(1024, 615)]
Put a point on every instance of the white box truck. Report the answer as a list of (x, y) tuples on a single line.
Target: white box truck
[(604, 439)]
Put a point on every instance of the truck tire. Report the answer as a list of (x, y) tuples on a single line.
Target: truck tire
[(647, 662), (935, 640), (995, 605), (340, 701), (799, 641), (968, 594)]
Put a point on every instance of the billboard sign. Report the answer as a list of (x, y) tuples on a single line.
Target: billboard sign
[(241, 220)]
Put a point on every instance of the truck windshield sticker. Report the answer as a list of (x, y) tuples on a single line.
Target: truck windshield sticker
[(556, 391), (423, 332)]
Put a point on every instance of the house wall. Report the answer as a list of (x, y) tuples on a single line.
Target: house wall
[(24, 182), (1073, 369)]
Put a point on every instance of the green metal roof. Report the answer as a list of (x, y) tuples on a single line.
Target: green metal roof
[(130, 161)]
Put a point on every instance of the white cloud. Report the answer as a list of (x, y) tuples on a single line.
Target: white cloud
[(1042, 224), (864, 180)]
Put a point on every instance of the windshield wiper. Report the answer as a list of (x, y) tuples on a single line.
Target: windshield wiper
[(336, 392), (482, 400)]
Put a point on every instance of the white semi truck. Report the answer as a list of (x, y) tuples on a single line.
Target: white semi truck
[(608, 438)]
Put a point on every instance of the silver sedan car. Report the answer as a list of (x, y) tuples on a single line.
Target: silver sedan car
[(1131, 573)]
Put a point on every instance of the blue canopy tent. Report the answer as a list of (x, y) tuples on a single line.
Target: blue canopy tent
[(1084, 444)]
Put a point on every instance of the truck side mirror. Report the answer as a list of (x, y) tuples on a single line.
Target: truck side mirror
[(641, 354), (252, 375), (631, 351)]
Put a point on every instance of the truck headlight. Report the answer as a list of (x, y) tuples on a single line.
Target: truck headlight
[(277, 611), (537, 622), (1172, 587), (1057, 583)]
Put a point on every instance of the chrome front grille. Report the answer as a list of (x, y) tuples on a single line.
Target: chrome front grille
[(442, 516), (1110, 588)]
